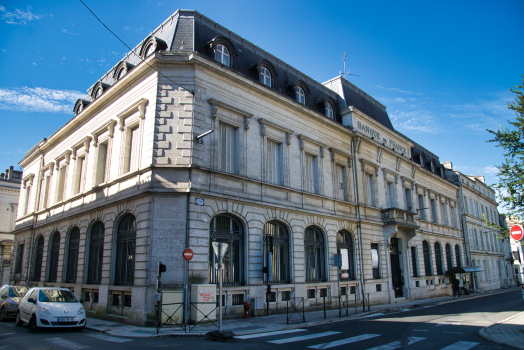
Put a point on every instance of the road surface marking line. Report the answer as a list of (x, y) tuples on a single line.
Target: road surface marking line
[(421, 330), (303, 337), (483, 322), (453, 332), (67, 343), (109, 338), (268, 334), (450, 320), (461, 345), (372, 315), (344, 341), (397, 344)]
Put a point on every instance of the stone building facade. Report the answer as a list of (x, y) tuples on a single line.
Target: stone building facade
[(302, 169), (486, 247), (9, 193)]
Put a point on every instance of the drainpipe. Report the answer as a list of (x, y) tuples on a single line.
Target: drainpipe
[(465, 235), (357, 207)]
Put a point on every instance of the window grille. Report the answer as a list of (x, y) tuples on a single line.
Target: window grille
[(314, 246), (457, 256), (226, 229), (237, 299), (87, 296), (19, 258), (323, 292), (286, 295), (438, 259), (127, 300), (311, 294), (449, 259), (345, 244), (343, 291), (72, 255), (96, 254), (38, 259), (116, 300), (277, 233), (95, 297), (228, 149), (414, 261), (427, 258), (353, 290), (378, 287), (53, 261), (125, 251), (417, 283), (272, 297), (274, 162)]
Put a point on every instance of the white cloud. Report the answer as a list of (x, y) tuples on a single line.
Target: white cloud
[(3, 50), (18, 16), (27, 99), (416, 121), (397, 90)]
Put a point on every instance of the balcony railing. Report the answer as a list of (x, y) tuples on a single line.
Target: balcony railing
[(397, 216)]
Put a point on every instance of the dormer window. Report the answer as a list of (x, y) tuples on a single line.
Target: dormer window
[(152, 44), (265, 76), (121, 73), (421, 160), (329, 111), (80, 108), (80, 105), (222, 55), (98, 92), (300, 95), (150, 49), (432, 168)]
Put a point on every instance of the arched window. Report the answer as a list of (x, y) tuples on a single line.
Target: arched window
[(438, 259), (265, 76), (449, 260), (427, 258), (276, 241), (53, 257), (345, 248), (222, 55), (38, 258), (329, 111), (457, 255), (227, 229), (125, 251), (150, 49), (72, 255), (121, 73), (314, 250), (300, 95), (96, 254), (98, 92)]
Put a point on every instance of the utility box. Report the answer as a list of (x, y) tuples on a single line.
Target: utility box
[(174, 308), (203, 302)]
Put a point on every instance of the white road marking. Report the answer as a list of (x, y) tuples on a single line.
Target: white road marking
[(461, 345), (453, 332), (268, 334), (450, 320), (372, 315), (484, 322), (421, 330), (109, 338), (303, 337), (397, 344), (343, 341), (66, 343)]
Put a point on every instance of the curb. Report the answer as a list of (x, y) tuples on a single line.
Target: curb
[(484, 334)]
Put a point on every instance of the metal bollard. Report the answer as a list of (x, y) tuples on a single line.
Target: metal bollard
[(324, 307)]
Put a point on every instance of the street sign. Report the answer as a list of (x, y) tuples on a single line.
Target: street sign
[(187, 254), (220, 249), (157, 296), (516, 232)]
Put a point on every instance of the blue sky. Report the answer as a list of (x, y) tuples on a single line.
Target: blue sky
[(443, 69)]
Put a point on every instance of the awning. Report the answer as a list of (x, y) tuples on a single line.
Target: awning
[(465, 269)]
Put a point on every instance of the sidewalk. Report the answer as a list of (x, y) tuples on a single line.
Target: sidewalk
[(509, 332), (270, 323)]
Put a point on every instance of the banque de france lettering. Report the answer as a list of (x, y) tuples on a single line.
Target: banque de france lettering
[(392, 144)]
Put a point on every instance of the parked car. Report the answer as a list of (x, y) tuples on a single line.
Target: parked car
[(10, 297), (51, 307)]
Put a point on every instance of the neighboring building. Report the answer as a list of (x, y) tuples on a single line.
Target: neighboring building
[(9, 193), (517, 256), (486, 247), (303, 169)]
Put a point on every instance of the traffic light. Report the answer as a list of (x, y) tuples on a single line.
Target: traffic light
[(161, 268)]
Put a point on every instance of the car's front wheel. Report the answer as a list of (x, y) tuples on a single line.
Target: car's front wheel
[(18, 321), (32, 324)]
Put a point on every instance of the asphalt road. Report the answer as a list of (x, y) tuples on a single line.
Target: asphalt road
[(452, 326)]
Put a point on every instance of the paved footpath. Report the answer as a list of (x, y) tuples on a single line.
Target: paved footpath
[(508, 332), (277, 322)]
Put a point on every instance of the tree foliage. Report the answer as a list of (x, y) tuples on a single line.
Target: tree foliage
[(511, 173)]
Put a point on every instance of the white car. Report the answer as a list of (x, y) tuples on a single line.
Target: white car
[(51, 307)]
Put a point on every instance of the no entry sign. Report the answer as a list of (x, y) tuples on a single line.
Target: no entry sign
[(516, 232), (187, 254)]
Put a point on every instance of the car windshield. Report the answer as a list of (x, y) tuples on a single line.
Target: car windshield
[(17, 291), (56, 296)]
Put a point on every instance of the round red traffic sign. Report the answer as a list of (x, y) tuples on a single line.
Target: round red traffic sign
[(516, 232), (187, 254)]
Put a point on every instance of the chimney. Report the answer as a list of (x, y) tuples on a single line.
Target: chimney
[(448, 165)]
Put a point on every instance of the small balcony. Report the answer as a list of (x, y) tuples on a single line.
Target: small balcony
[(397, 216)]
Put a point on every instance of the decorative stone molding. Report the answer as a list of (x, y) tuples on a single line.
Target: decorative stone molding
[(87, 142), (28, 180), (399, 162), (139, 106), (67, 156), (379, 154), (368, 167), (302, 139), (215, 104), (111, 128), (264, 123)]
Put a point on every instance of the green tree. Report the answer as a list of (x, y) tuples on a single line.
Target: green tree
[(511, 173)]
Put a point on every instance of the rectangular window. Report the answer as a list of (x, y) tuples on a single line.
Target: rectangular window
[(421, 206), (444, 210), (132, 149), (466, 210), (434, 216), (311, 174), (477, 207), (19, 258), (286, 295), (27, 198), (390, 195), (370, 187), (274, 162), (61, 185), (409, 204), (41, 204), (343, 291), (80, 174), (375, 260), (340, 182), (454, 217), (237, 299), (311, 294), (323, 292), (101, 164), (228, 149), (414, 264)]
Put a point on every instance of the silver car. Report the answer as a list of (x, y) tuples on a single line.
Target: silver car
[(10, 297)]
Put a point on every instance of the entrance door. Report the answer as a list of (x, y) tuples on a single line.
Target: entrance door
[(396, 274)]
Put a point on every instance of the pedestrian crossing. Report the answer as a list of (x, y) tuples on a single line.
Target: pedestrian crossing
[(313, 337), (62, 343)]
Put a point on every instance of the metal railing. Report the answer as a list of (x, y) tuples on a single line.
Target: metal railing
[(171, 318), (205, 316), (343, 304), (295, 309)]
